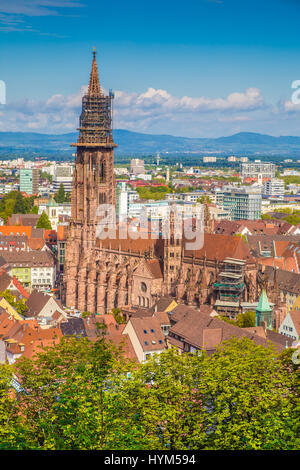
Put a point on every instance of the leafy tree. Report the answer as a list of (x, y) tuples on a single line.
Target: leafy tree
[(243, 320), (20, 207), (246, 320), (10, 423), (19, 305), (35, 210), (15, 203), (45, 175), (116, 312), (165, 398), (60, 196), (84, 395), (249, 397), (293, 219), (70, 390), (153, 192), (44, 222)]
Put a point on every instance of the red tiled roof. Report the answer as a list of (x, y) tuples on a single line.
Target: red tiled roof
[(16, 229), (149, 333), (220, 247), (20, 287)]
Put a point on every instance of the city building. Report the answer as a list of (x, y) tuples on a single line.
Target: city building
[(125, 196), (274, 187), (209, 159), (63, 175), (54, 211), (252, 170), (290, 326), (34, 269), (240, 203), (29, 180), (146, 336), (137, 166)]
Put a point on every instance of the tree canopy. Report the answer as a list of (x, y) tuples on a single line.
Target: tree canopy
[(60, 196), (15, 203), (44, 222), (85, 395)]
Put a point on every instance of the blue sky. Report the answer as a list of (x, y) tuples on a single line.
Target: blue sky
[(201, 68)]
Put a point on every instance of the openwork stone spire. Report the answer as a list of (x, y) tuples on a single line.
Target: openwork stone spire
[(94, 85)]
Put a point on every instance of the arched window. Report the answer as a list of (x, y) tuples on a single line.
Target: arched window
[(143, 287)]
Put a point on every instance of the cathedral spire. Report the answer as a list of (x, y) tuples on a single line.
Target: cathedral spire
[(94, 85)]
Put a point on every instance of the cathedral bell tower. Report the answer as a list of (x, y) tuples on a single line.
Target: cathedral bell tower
[(93, 185), (172, 252)]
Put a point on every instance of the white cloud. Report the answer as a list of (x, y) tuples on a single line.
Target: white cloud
[(289, 106), (152, 99), (152, 110)]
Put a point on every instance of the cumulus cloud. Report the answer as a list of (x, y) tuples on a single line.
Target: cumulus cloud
[(289, 106), (153, 99), (145, 111)]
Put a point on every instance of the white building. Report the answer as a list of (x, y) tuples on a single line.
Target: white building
[(125, 197), (54, 211), (43, 277), (291, 325), (274, 187), (252, 170), (137, 166), (63, 175), (209, 159)]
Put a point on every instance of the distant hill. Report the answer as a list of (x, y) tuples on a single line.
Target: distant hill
[(135, 143)]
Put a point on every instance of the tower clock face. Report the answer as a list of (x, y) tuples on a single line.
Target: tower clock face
[(143, 287)]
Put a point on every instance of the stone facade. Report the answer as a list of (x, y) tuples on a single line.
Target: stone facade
[(125, 273)]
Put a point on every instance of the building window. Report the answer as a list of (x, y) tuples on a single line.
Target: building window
[(143, 287)]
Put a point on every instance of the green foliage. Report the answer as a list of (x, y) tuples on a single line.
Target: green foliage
[(240, 235), (290, 179), (251, 399), (19, 305), (116, 312), (46, 176), (44, 222), (246, 320), (243, 320), (153, 192), (10, 422), (60, 196), (85, 314), (293, 219), (35, 210), (15, 203), (85, 395)]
